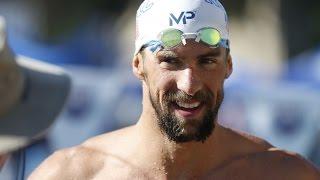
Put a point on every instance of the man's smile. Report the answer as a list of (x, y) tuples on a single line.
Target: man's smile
[(188, 109)]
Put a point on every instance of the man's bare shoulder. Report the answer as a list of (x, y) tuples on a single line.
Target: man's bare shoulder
[(255, 158), (112, 141), (274, 164), (251, 138), (75, 162), (263, 161), (83, 161), (281, 164), (241, 143), (288, 164)]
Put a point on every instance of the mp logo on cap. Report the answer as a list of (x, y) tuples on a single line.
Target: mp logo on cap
[(184, 16)]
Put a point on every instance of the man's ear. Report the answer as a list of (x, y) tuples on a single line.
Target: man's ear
[(229, 66), (137, 66)]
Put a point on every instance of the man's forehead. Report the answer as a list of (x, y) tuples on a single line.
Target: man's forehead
[(166, 53)]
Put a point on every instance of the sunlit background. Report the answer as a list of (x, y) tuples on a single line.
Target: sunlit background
[(273, 93)]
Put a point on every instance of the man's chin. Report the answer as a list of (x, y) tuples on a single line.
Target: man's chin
[(190, 130), (181, 128)]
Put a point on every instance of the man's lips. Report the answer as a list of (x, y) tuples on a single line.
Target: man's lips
[(188, 109)]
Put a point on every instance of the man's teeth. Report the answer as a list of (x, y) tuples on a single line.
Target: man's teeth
[(188, 105)]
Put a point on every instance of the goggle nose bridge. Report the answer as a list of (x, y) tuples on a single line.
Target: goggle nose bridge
[(186, 36)]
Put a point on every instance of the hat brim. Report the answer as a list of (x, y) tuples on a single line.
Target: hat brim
[(45, 92)]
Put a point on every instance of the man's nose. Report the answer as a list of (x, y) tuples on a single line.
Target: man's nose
[(189, 81)]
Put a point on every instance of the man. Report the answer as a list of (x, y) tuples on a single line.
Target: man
[(32, 94), (182, 59)]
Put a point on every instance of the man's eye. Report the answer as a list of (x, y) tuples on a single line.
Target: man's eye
[(208, 60), (170, 63), (170, 60)]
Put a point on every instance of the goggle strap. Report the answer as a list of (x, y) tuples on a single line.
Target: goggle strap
[(157, 50), (224, 43), (154, 46)]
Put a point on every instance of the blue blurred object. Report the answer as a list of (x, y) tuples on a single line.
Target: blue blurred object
[(284, 111), (90, 44), (305, 68)]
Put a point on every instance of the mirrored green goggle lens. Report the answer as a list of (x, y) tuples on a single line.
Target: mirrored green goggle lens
[(171, 38), (210, 36)]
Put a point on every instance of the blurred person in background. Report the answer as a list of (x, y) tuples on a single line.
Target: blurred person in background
[(32, 95), (182, 61)]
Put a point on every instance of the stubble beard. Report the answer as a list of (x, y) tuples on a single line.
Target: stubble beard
[(174, 128)]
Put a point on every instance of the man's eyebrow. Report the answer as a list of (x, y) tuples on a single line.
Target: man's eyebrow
[(167, 54), (215, 53)]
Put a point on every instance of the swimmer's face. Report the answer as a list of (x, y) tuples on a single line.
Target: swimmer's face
[(185, 87)]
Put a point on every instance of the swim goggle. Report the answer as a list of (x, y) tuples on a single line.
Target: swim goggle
[(171, 38)]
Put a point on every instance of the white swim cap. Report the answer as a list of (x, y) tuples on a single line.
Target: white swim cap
[(189, 16)]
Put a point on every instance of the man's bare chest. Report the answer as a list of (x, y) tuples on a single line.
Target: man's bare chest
[(246, 168)]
